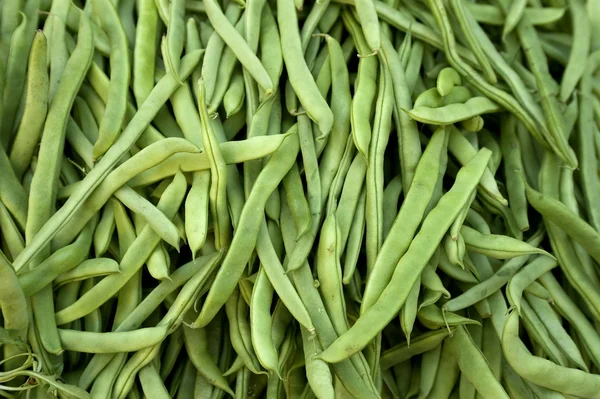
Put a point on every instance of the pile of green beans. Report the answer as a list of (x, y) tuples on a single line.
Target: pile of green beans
[(291, 199)]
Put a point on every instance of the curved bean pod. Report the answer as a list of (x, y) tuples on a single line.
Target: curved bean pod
[(498, 246), (420, 344), (541, 371), (114, 114), (87, 269), (298, 73), (453, 113), (474, 366)]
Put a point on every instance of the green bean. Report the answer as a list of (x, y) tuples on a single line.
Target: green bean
[(12, 301), (547, 88), (260, 322), (218, 203), (329, 273), (556, 331), (455, 249), (582, 37), (227, 65), (104, 231), (171, 352), (256, 127), (567, 196), (278, 165), (433, 317), (513, 16), (103, 384), (355, 238), (84, 119), (296, 200), (429, 98), (430, 280), (456, 272), (347, 371), (111, 342), (175, 35), (453, 113), (498, 246), (254, 10), (20, 44), (340, 106), (307, 147), (408, 313), (298, 73), (560, 215), (280, 282), (589, 162), (158, 263), (493, 15), (318, 374), (9, 19), (517, 284), (15, 243), (144, 51), (151, 382), (544, 344), (446, 80), (54, 29), (491, 284), (235, 94), (541, 371), (87, 269), (380, 136), (214, 50), (391, 196), (408, 219), (472, 125), (348, 157), (447, 375), (422, 343), (239, 332), (197, 347), (408, 139), (329, 18), (367, 15), (429, 365), (241, 49), (511, 151), (393, 296), (119, 66), (572, 313), (473, 365), (12, 193)]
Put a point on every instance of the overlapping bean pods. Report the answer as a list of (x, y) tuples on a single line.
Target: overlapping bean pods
[(291, 199)]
